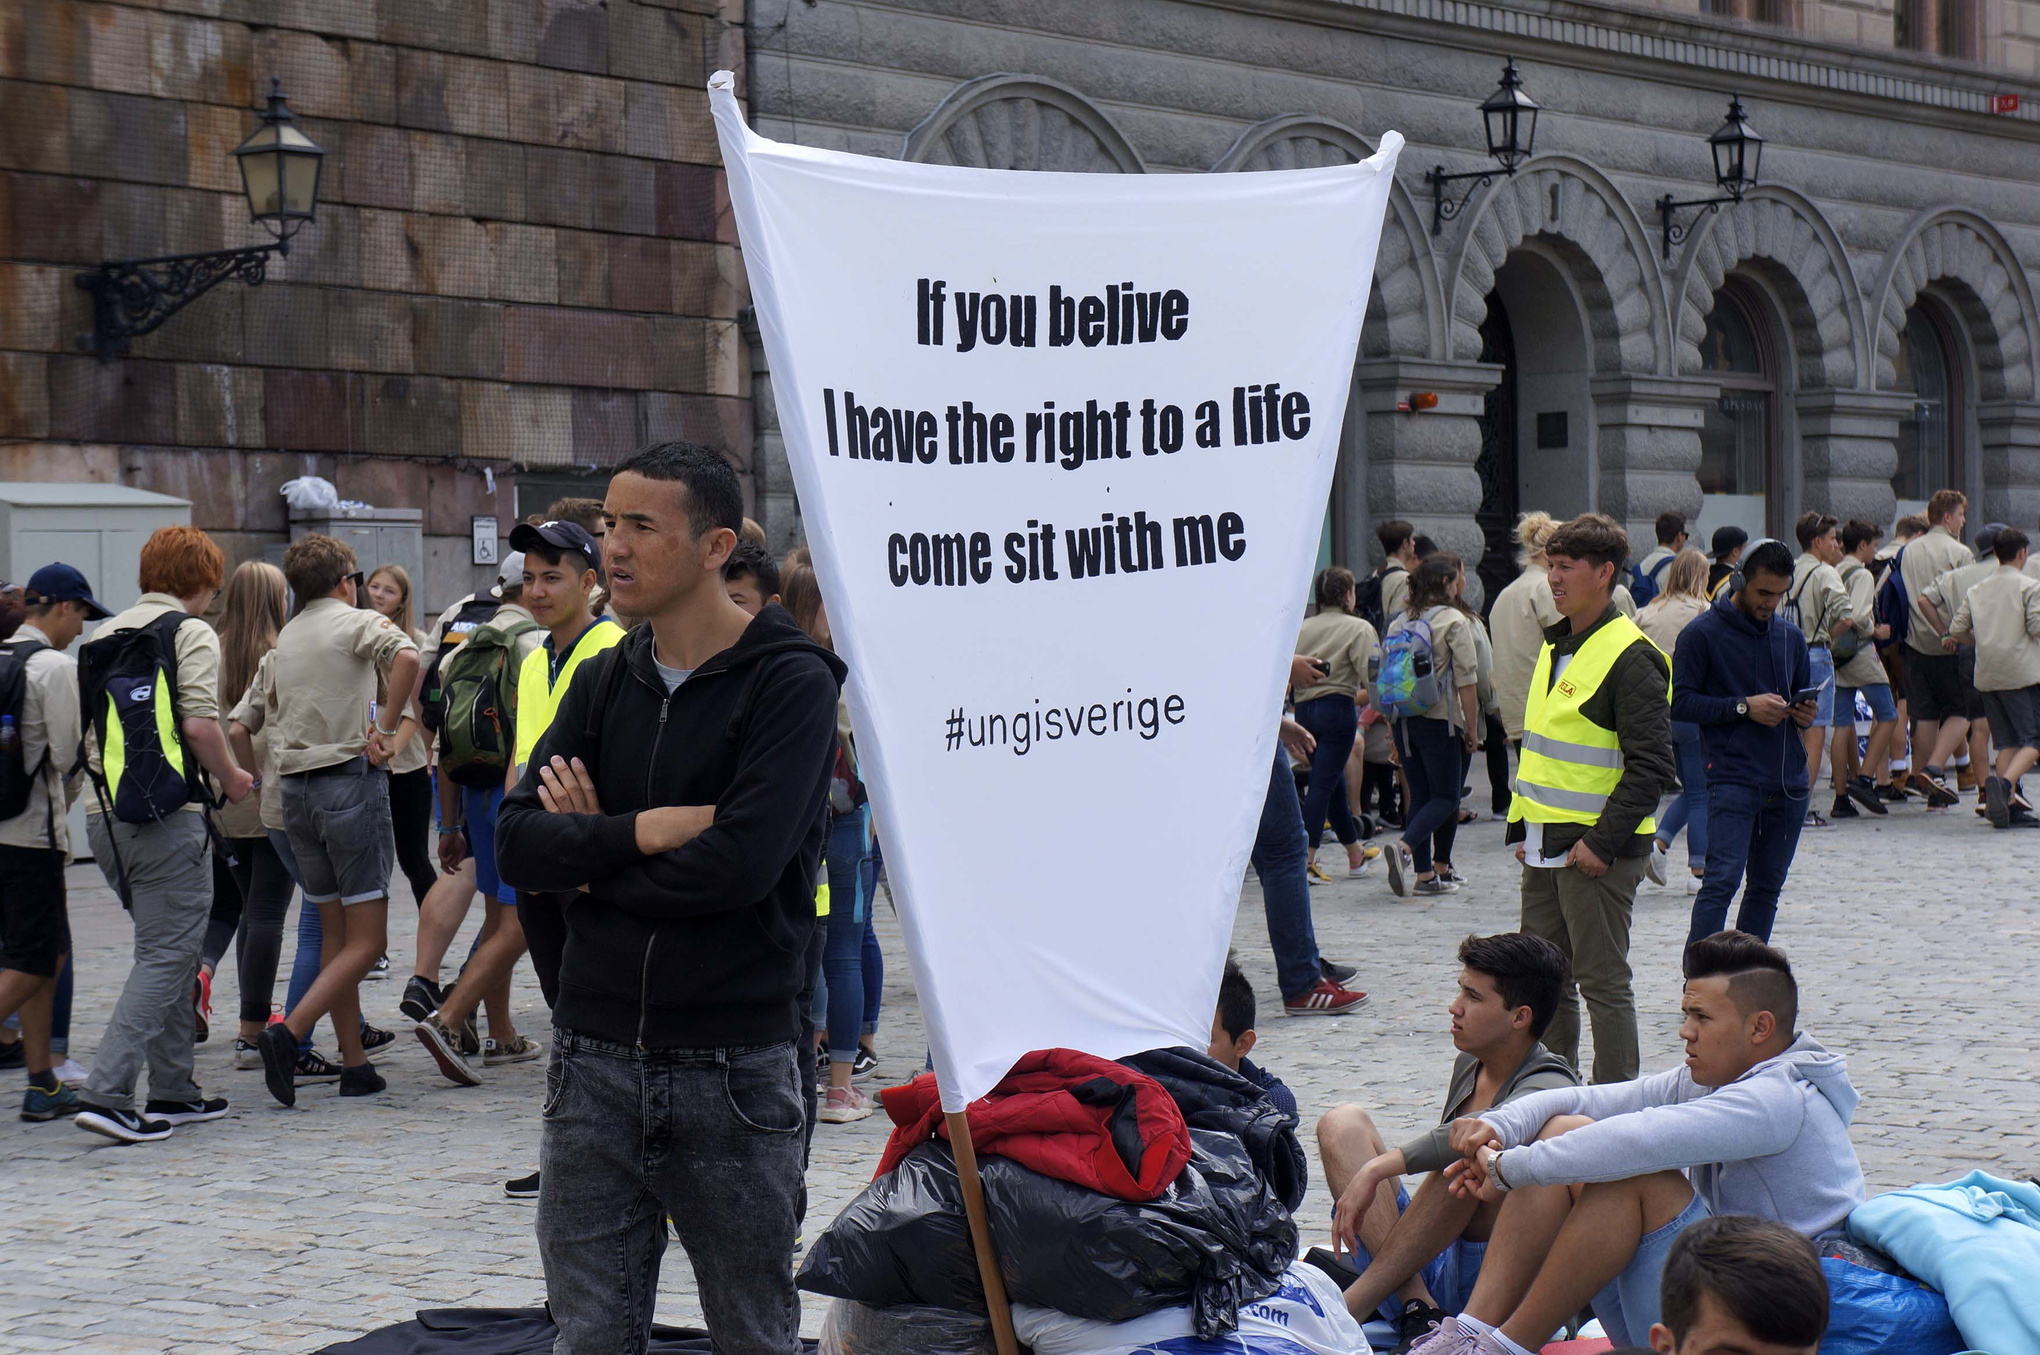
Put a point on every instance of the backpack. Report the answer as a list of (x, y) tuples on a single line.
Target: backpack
[(431, 692), (1645, 586), (479, 715), (1894, 603), (1789, 608), (1367, 601), (17, 778), (127, 688), (1407, 681)]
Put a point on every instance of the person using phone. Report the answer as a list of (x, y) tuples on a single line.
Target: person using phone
[(1744, 676)]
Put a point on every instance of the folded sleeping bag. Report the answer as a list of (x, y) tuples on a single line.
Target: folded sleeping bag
[(1977, 1240)]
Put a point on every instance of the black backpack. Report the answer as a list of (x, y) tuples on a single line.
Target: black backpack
[(127, 688), (1367, 602), (17, 778), (476, 611)]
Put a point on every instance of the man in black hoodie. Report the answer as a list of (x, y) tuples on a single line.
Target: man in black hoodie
[(680, 789)]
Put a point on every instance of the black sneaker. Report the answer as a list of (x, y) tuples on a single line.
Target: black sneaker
[(865, 1064), (1337, 973), (122, 1126), (363, 1080), (12, 1055), (522, 1187), (1417, 1320), (312, 1066), (379, 970), (1865, 794), (373, 1038), (470, 1037), (186, 1112), (421, 998), (1844, 810), (279, 1051), (1892, 794)]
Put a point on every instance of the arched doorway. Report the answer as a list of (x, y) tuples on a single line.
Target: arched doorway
[(1500, 494), (1741, 433), (1930, 436)]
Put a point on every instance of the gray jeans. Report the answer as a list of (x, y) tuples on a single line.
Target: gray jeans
[(711, 1137), (169, 875)]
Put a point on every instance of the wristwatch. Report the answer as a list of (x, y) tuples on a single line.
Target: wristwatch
[(1490, 1160), (1742, 710)]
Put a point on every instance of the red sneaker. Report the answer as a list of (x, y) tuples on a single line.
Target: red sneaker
[(1327, 999)]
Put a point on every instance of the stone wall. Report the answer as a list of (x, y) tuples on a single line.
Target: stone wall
[(523, 253)]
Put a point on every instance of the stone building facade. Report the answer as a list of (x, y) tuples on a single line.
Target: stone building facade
[(522, 262), (1857, 332)]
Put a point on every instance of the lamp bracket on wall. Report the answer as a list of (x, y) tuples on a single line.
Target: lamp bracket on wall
[(1675, 234), (133, 297)]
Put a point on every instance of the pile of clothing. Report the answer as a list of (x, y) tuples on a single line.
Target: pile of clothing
[(1158, 1187)]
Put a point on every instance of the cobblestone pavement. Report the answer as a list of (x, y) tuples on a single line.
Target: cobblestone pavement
[(282, 1231)]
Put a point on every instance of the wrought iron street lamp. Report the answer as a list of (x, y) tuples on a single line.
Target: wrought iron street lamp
[(1738, 152), (1510, 116), (280, 172)]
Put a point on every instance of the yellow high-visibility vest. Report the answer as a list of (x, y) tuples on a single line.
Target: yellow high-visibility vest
[(538, 695), (1569, 765)]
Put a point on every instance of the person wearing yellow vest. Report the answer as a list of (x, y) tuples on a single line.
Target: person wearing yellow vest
[(1596, 757), (560, 575)]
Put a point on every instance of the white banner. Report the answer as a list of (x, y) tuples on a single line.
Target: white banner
[(1063, 444)]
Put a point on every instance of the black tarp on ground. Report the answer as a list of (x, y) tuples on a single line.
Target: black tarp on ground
[(497, 1331)]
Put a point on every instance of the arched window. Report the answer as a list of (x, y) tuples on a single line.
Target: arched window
[(1927, 435), (1739, 435)]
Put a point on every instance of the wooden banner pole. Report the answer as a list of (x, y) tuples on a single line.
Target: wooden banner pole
[(996, 1303)]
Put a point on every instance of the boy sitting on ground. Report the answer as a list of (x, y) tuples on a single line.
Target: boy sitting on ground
[(1425, 1251), (1232, 1037), (1598, 1182)]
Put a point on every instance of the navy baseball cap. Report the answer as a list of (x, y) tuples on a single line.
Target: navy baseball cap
[(556, 537), (62, 583)]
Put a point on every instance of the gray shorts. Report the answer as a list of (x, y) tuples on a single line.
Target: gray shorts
[(2014, 717), (338, 820)]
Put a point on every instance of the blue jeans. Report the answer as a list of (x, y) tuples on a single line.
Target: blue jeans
[(840, 998), (1820, 668), (1689, 808), (1630, 1306), (1279, 856), (1753, 830), (874, 958), (1450, 1275), (711, 1137), (1334, 722), (1433, 758), (304, 965)]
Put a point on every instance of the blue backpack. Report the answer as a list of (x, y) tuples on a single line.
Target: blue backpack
[(1643, 587), (1407, 682), (1894, 603)]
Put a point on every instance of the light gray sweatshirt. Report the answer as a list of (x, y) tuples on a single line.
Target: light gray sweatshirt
[(1774, 1142)]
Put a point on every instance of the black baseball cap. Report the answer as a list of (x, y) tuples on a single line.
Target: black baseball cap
[(62, 583), (557, 537)]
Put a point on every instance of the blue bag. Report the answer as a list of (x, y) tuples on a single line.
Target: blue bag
[(1406, 683), (1871, 1313)]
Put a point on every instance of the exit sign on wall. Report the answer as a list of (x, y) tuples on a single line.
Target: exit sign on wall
[(2004, 103)]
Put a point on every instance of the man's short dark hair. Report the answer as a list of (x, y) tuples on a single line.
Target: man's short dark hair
[(1772, 557), (714, 498), (1764, 1275), (751, 560), (1726, 539), (1912, 524), (1392, 534), (1235, 1000), (1856, 531), (1811, 527), (1425, 546), (1759, 976), (1528, 971), (1593, 537), (314, 566), (1945, 501), (1670, 527), (2009, 543)]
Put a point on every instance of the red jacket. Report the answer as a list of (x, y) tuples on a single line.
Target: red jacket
[(1072, 1116)]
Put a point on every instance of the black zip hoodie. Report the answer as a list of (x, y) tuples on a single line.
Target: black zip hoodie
[(703, 947)]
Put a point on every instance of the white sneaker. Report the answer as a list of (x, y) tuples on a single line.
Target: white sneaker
[(1654, 864), (841, 1105), (72, 1073), (1693, 884), (246, 1055)]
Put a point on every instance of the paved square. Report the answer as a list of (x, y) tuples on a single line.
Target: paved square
[(281, 1231)]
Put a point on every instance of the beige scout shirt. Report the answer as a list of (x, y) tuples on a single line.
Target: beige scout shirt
[(1346, 644), (413, 756), (1521, 612), (49, 725), (246, 819), (2003, 614), (1395, 591), (1926, 559), (197, 651), (1823, 601), (1948, 591), (328, 660), (1866, 669), (1665, 615), (253, 712)]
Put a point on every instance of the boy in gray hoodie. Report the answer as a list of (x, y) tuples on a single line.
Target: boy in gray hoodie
[(1599, 1181), (1418, 1257)]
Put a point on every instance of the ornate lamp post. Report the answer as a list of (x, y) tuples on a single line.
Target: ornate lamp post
[(1510, 116), (280, 172), (1738, 151)]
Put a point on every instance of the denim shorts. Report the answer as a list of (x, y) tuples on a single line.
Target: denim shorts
[(1449, 1275), (1883, 710), (1821, 673), (478, 809), (338, 820), (1629, 1306)]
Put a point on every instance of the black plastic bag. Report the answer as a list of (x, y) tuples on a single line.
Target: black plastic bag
[(1217, 1238), (853, 1328)]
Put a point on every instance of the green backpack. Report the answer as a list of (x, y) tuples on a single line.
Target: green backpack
[(479, 726)]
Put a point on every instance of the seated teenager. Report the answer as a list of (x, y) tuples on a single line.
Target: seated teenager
[(1424, 1252), (1233, 1037), (1598, 1182), (1741, 1286)]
